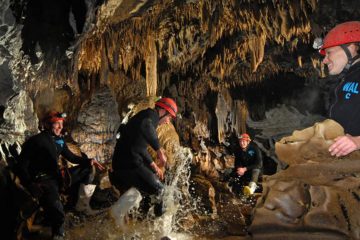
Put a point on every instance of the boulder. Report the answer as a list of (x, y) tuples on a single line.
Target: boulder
[(317, 196)]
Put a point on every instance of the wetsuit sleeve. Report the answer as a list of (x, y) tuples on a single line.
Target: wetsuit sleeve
[(72, 157), (149, 133)]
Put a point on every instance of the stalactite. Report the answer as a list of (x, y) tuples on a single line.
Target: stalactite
[(257, 46), (151, 68), (300, 62), (240, 115), (187, 32)]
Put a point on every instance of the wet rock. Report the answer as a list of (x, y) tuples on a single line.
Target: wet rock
[(204, 194), (213, 161)]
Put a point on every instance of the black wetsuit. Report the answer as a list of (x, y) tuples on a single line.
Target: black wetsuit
[(251, 158), (131, 159), (39, 165), (346, 107)]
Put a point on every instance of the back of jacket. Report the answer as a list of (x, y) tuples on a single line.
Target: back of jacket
[(131, 149)]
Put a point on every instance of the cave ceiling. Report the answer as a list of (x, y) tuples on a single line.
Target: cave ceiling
[(256, 51), (224, 42)]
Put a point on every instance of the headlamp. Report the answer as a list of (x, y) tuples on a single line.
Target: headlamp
[(62, 115), (318, 43)]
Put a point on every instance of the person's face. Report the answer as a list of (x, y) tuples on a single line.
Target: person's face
[(57, 127), (244, 143), (165, 117), (336, 58)]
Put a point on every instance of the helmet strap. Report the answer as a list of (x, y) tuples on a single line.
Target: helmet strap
[(351, 59), (164, 115)]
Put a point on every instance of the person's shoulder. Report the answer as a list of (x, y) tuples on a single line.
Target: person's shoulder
[(141, 117), (43, 136), (36, 136), (145, 112), (149, 113), (253, 146), (35, 140), (354, 68)]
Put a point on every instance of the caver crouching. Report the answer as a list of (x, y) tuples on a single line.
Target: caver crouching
[(39, 172)]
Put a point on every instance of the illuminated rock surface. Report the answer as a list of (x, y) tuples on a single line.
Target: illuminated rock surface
[(232, 66)]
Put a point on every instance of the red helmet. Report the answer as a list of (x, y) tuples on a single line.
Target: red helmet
[(244, 136), (168, 104), (54, 116), (347, 32)]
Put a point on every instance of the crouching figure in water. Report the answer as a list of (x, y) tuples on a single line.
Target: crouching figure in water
[(40, 173), (132, 165)]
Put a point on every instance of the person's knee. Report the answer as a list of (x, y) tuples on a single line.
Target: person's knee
[(86, 174), (58, 207), (156, 187)]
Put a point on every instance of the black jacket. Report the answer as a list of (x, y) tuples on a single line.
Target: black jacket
[(346, 107), (131, 149), (251, 158), (40, 154)]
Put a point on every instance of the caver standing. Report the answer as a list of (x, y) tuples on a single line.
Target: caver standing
[(39, 171)]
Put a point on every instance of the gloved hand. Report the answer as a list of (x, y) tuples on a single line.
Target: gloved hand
[(35, 190), (250, 189)]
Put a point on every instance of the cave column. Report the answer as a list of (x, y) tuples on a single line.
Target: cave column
[(151, 67), (240, 114)]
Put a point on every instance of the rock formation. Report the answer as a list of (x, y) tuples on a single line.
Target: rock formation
[(231, 65), (317, 196)]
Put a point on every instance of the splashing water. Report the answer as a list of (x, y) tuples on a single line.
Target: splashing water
[(173, 197), (135, 226)]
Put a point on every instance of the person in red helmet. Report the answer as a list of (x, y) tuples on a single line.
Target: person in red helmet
[(132, 165), (248, 166), (340, 49), (39, 172)]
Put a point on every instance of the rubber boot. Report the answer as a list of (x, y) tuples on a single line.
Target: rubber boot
[(129, 200), (83, 203), (250, 189), (159, 209)]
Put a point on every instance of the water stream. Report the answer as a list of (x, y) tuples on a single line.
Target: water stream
[(134, 225)]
